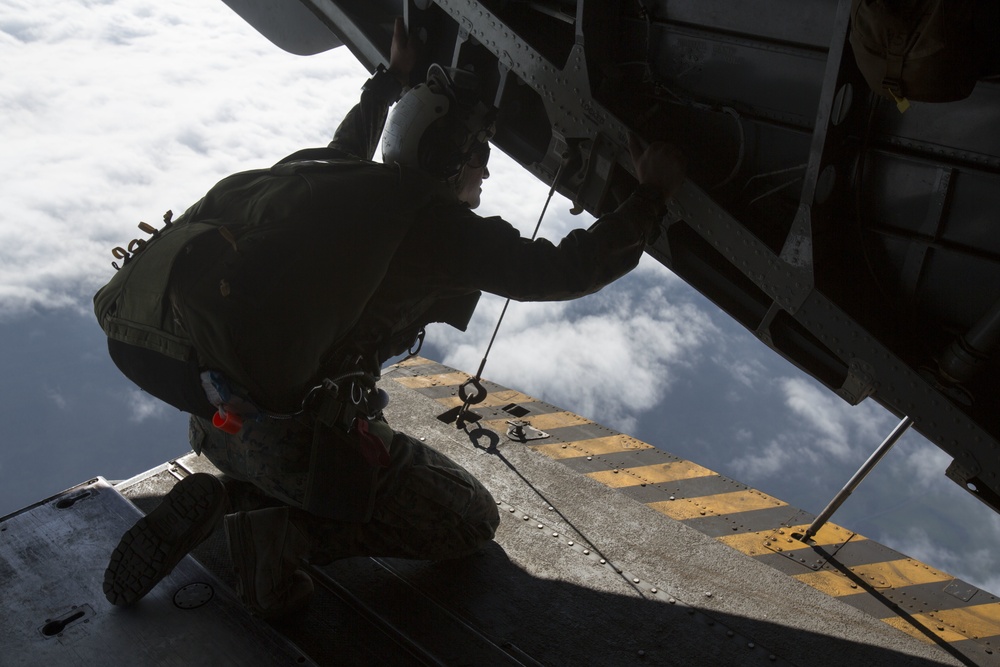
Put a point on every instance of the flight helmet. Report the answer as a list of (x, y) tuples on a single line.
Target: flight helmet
[(440, 126)]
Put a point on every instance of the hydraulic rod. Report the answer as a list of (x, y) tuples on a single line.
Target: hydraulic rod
[(870, 464)]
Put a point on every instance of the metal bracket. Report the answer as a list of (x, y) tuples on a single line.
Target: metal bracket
[(786, 542), (521, 431), (860, 382)]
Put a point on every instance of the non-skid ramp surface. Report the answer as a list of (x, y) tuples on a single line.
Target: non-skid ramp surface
[(957, 621), (609, 552), (52, 560)]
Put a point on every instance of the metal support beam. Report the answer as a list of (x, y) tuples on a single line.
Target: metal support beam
[(869, 465)]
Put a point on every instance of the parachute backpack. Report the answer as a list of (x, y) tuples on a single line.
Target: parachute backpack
[(922, 50)]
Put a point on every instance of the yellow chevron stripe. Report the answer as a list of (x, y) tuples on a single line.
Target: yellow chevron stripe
[(492, 400), (654, 474), (439, 380), (722, 503), (414, 361), (612, 444), (982, 620), (946, 634), (954, 625), (542, 422), (767, 541)]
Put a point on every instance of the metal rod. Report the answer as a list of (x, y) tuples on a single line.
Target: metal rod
[(870, 464)]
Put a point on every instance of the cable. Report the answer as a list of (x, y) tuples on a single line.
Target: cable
[(477, 380)]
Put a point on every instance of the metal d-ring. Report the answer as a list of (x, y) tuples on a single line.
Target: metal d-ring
[(478, 397)]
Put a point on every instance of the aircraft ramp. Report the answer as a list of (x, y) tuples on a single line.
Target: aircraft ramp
[(610, 552)]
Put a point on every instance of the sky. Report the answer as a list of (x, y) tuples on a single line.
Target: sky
[(115, 111)]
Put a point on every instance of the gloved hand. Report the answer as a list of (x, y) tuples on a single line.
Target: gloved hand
[(659, 164)]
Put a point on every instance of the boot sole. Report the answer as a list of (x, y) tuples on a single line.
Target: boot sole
[(151, 549)]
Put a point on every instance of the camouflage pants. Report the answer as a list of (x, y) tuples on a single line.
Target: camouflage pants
[(426, 505)]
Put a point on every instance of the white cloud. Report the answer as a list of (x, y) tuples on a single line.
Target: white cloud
[(109, 120), (832, 424), (57, 398), (772, 459), (921, 464), (141, 406), (610, 356)]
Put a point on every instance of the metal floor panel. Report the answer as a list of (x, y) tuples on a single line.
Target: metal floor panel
[(52, 561)]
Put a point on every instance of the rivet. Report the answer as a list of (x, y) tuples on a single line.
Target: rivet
[(708, 594), (540, 526), (555, 534), (750, 645), (525, 517), (586, 552), (672, 601), (730, 633), (652, 590), (603, 562), (590, 458), (551, 508), (570, 543), (672, 498)]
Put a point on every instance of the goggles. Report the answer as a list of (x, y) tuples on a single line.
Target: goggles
[(479, 155)]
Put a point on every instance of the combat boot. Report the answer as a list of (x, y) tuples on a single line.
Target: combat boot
[(267, 550), (151, 548)]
